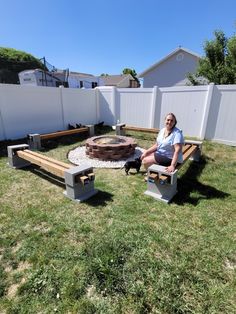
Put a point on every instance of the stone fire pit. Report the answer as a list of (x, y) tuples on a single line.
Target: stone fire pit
[(110, 147)]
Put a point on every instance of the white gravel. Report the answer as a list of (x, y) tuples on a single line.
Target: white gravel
[(78, 157)]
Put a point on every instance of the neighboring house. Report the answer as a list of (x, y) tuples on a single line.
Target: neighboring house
[(83, 80), (120, 81), (39, 77), (171, 70)]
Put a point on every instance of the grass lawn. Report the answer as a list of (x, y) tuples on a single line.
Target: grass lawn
[(120, 251)]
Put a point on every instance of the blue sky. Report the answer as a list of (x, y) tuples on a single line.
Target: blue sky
[(106, 36)]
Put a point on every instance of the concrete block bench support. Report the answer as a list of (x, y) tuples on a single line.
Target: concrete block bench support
[(34, 139), (121, 129), (13, 159), (79, 183), (79, 180), (162, 185)]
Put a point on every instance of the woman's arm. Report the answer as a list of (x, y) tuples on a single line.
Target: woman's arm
[(177, 148), (150, 150)]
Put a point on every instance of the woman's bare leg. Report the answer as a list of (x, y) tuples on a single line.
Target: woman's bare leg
[(148, 161)]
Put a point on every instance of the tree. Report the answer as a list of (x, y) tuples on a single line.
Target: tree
[(133, 73), (13, 61), (219, 64), (130, 71)]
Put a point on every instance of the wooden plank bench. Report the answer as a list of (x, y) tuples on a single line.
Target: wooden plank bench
[(79, 180), (162, 185), (122, 128), (51, 165), (34, 140)]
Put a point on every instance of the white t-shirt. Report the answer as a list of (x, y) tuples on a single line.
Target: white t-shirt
[(165, 146)]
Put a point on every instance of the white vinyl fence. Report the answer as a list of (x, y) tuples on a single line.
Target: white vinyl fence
[(36, 109), (222, 115), (202, 111)]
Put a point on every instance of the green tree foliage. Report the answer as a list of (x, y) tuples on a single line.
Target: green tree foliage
[(219, 64), (133, 73), (13, 61), (130, 71)]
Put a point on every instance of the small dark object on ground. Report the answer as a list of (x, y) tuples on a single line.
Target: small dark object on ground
[(100, 124), (136, 164), (70, 127), (79, 125)]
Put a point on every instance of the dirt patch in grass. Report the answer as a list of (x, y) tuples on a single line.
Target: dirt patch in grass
[(12, 290)]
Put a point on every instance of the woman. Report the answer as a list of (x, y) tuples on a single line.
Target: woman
[(167, 151)]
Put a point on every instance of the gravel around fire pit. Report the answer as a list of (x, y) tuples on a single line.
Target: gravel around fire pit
[(78, 157)]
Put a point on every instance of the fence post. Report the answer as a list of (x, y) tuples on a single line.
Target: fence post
[(154, 105), (1, 118), (97, 102), (206, 110), (61, 87), (3, 127), (113, 104)]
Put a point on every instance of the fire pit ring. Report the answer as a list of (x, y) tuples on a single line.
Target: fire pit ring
[(109, 147)]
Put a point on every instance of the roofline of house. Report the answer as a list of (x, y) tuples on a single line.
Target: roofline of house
[(126, 75), (122, 78), (80, 73), (167, 57)]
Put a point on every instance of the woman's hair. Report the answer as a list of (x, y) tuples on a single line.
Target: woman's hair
[(174, 117)]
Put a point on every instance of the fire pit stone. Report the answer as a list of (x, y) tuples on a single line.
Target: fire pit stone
[(110, 147)]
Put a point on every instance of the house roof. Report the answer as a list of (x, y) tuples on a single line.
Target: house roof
[(81, 74), (179, 49), (115, 80)]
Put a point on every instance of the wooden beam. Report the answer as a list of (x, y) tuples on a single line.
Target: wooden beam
[(163, 179), (57, 162), (185, 147), (187, 154), (153, 176), (138, 129), (49, 165), (62, 133)]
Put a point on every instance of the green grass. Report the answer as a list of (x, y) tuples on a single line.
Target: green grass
[(120, 251)]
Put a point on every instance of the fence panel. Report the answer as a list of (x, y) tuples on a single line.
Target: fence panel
[(35, 109), (222, 115), (79, 106), (29, 109), (106, 105), (135, 106), (187, 103)]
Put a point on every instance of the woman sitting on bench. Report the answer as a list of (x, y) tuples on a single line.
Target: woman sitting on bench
[(167, 151)]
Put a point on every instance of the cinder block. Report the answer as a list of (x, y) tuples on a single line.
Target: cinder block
[(119, 130), (91, 129), (161, 189), (76, 188), (34, 141), (15, 161)]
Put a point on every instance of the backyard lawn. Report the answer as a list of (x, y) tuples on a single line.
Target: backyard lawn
[(120, 251)]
